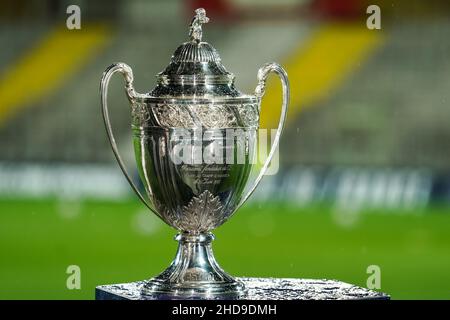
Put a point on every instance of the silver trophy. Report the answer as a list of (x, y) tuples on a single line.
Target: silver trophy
[(194, 114)]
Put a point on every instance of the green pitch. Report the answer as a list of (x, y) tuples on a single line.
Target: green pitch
[(120, 242)]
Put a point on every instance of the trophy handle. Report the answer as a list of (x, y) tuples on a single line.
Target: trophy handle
[(127, 72), (263, 73)]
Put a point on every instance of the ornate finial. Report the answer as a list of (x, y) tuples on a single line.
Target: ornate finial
[(195, 30)]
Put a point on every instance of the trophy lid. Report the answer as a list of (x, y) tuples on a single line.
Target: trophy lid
[(196, 67)]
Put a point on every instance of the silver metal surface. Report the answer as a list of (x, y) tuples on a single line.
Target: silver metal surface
[(195, 104), (194, 272)]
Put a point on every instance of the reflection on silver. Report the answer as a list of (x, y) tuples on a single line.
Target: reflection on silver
[(194, 92)]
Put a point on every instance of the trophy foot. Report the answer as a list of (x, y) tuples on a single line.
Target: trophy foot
[(194, 273)]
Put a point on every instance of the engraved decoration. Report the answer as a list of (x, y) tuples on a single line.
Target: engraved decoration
[(203, 213), (172, 116), (191, 116), (215, 116), (249, 114), (139, 113)]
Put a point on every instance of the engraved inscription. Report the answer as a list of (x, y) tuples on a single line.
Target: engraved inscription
[(197, 274), (205, 175)]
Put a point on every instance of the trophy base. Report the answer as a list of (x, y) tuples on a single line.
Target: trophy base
[(257, 289), (194, 273)]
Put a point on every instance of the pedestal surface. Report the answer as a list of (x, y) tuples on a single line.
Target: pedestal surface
[(259, 289)]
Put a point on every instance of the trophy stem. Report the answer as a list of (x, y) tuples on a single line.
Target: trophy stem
[(194, 272)]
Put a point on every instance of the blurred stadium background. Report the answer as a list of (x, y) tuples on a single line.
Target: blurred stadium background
[(364, 176)]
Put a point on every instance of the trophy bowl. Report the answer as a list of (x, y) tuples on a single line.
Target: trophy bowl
[(194, 197), (194, 138)]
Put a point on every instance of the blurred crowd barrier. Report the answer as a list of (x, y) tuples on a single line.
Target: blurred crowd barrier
[(347, 188)]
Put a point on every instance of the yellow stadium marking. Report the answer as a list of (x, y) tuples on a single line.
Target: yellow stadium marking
[(45, 68), (318, 67)]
